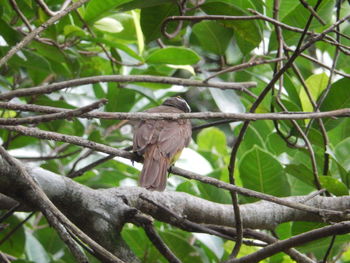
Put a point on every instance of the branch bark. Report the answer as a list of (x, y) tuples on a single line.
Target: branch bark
[(106, 204), (48, 88), (105, 211)]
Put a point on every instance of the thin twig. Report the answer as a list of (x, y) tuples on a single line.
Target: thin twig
[(243, 66), (146, 223), (256, 16), (267, 89), (48, 11), (319, 63), (46, 158), (336, 229), (88, 167), (9, 234), (20, 14), (34, 132), (312, 195), (9, 212), (38, 30), (329, 249), (250, 233), (228, 117), (313, 12), (48, 88), (210, 124), (53, 116)]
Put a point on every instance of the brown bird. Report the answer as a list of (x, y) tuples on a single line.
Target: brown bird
[(161, 142)]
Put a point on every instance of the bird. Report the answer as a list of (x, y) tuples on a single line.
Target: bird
[(160, 142)]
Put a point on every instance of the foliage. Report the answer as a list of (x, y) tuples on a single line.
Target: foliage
[(120, 37)]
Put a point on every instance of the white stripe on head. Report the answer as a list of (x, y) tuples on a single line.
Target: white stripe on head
[(185, 102)]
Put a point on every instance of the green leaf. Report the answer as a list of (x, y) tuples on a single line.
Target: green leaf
[(128, 35), (287, 7), (173, 55), (298, 187), (212, 193), (152, 18), (316, 85), (15, 244), (302, 172), (260, 171), (141, 246), (138, 4), (76, 31), (36, 62), (337, 98), (342, 153), (96, 8), (276, 144), (50, 238), (340, 132), (319, 246), (252, 138), (246, 32), (34, 250), (181, 247), (51, 52), (115, 44), (299, 16), (212, 36), (334, 186), (212, 140), (284, 230), (9, 34), (108, 24)]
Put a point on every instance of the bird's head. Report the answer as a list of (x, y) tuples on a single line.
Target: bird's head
[(178, 103)]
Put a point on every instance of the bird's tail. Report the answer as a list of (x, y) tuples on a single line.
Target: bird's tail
[(154, 172)]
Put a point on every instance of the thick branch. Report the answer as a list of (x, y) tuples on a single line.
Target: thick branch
[(104, 211), (106, 206), (117, 152), (102, 217)]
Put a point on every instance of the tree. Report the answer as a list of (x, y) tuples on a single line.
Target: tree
[(267, 175)]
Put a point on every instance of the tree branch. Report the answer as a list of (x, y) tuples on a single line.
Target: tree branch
[(67, 114), (175, 116), (48, 88), (38, 30), (336, 229), (110, 150)]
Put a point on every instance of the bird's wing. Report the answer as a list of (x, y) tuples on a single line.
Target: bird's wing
[(174, 136), (143, 134)]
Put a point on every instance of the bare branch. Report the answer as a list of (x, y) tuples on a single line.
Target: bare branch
[(20, 14), (243, 66), (48, 88), (313, 12), (70, 139), (229, 117), (146, 223), (53, 116), (38, 198), (49, 11), (336, 229)]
